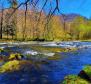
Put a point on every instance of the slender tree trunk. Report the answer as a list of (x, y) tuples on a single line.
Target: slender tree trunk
[(7, 34), (24, 30), (1, 25)]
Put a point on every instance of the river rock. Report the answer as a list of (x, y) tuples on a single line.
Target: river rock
[(74, 79)]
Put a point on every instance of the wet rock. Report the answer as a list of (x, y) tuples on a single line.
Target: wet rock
[(16, 56)]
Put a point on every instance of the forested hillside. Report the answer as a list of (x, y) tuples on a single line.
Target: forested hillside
[(58, 28)]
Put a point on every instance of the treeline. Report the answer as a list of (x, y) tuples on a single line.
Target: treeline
[(80, 28), (30, 24)]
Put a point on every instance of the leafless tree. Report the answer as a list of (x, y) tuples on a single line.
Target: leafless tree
[(1, 22)]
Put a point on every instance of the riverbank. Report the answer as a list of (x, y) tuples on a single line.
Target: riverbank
[(19, 40)]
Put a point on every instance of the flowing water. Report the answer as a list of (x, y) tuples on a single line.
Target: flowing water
[(52, 72)]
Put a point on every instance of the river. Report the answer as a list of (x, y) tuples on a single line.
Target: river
[(54, 71)]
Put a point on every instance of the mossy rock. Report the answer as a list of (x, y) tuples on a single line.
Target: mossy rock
[(70, 49), (74, 79), (16, 56), (87, 70), (14, 65), (10, 66), (1, 50)]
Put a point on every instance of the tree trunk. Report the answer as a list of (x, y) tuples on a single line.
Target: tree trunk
[(1, 25)]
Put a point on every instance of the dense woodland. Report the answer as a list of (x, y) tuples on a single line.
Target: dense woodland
[(23, 21)]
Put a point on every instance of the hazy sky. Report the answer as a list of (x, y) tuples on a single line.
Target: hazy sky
[(82, 7)]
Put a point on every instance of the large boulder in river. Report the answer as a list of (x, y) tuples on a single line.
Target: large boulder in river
[(15, 65), (86, 73), (74, 79), (87, 69), (84, 77)]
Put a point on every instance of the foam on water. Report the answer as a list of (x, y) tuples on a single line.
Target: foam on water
[(31, 52), (49, 54)]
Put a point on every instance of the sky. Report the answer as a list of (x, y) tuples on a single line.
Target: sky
[(81, 7)]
